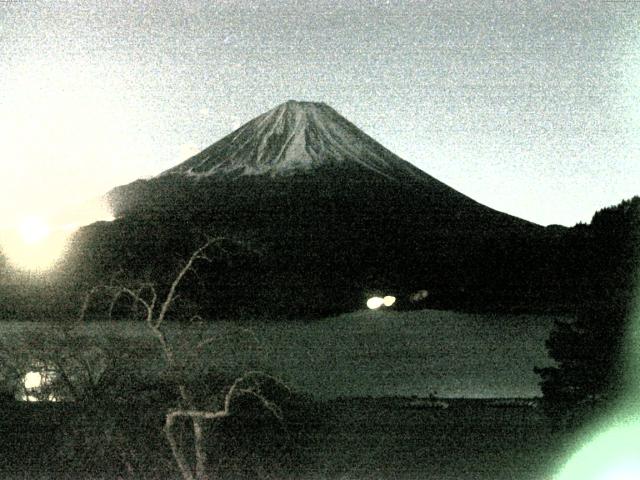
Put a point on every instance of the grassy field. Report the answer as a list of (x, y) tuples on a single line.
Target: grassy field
[(353, 439), (383, 439)]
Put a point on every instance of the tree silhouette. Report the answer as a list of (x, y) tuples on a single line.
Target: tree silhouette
[(155, 308), (589, 350)]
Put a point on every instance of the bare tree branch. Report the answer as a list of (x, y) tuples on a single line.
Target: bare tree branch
[(247, 384), (195, 256), (87, 301)]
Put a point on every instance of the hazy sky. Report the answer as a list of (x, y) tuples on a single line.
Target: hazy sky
[(532, 108)]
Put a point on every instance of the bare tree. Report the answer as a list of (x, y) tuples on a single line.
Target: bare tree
[(68, 364), (155, 311)]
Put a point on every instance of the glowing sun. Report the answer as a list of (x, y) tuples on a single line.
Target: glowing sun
[(33, 244), (34, 230), (36, 242)]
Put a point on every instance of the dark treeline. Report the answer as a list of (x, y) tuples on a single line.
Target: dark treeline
[(329, 254), (590, 349)]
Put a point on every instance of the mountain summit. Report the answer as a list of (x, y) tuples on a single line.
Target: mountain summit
[(297, 137)]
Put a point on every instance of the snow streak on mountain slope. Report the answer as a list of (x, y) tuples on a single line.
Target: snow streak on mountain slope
[(297, 137)]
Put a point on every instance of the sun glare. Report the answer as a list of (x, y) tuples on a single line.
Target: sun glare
[(33, 244), (66, 133), (34, 230)]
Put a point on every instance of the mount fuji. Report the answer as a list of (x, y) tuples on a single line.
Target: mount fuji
[(297, 137), (298, 143), (332, 217)]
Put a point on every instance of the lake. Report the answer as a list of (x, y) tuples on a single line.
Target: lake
[(365, 353)]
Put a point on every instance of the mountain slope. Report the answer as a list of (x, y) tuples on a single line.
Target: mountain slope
[(297, 143), (297, 137), (334, 215)]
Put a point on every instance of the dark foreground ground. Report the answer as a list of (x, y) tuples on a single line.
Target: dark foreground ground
[(387, 438)]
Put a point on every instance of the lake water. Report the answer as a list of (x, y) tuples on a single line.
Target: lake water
[(367, 353), (412, 353)]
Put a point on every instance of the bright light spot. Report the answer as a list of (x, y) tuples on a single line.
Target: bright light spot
[(33, 380), (33, 245), (375, 302), (629, 471), (612, 455), (34, 229), (389, 300)]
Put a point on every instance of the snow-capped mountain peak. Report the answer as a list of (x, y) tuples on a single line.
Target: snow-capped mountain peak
[(296, 137)]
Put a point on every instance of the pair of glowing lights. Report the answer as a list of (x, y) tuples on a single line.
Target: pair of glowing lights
[(375, 303)]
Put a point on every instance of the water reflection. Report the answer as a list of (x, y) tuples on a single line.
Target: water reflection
[(37, 385)]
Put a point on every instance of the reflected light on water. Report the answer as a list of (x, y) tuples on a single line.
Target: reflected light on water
[(32, 382)]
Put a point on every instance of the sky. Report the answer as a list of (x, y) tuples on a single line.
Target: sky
[(532, 108)]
